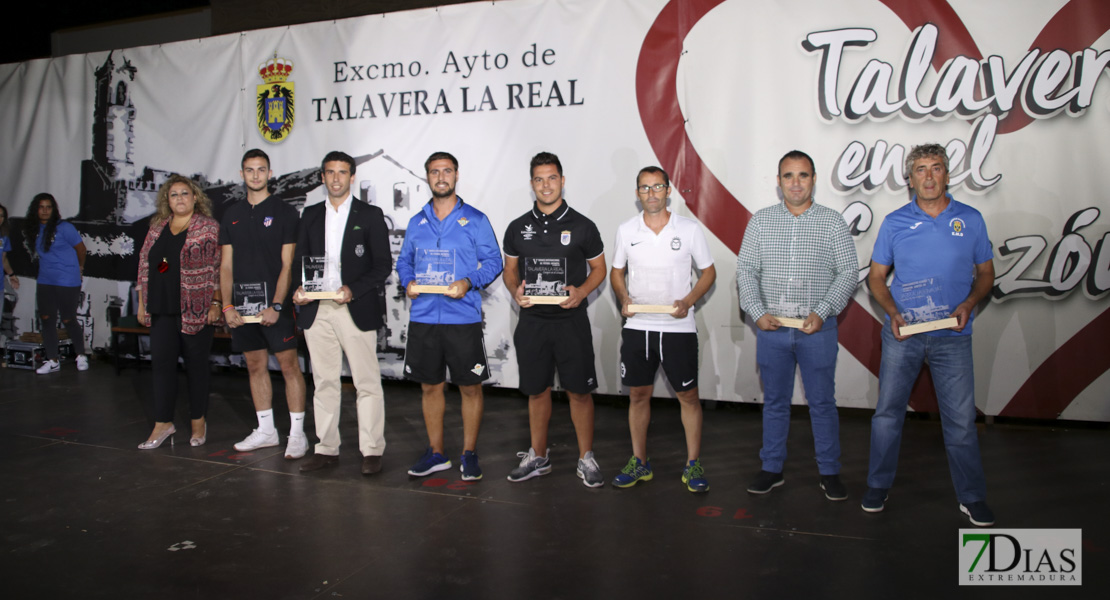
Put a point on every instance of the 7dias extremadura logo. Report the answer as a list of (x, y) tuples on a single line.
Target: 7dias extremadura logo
[(1021, 557)]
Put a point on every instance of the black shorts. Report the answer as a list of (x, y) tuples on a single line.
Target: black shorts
[(433, 349), (544, 345), (275, 338), (643, 351)]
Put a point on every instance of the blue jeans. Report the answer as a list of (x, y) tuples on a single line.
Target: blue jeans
[(954, 378), (778, 353)]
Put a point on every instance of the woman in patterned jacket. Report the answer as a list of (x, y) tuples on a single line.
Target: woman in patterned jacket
[(179, 299)]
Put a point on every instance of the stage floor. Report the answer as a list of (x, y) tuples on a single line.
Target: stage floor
[(87, 515)]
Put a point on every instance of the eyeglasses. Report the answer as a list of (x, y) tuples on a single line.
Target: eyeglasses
[(659, 187)]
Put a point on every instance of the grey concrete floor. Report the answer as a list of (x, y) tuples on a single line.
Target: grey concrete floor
[(87, 515)]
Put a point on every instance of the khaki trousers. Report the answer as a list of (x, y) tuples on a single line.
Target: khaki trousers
[(332, 335)]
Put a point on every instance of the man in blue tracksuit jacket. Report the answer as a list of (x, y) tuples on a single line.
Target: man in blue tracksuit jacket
[(448, 243)]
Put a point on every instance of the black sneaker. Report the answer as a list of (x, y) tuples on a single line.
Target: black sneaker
[(979, 513), (874, 500), (765, 482), (834, 490)]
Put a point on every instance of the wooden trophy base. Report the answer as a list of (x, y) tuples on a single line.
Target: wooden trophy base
[(251, 318), (791, 322), (323, 295), (654, 309), (928, 326), (547, 299), (430, 289)]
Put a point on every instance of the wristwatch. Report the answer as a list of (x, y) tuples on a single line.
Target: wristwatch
[(276, 306)]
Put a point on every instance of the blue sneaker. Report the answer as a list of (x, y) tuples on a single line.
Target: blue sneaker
[(468, 464), (633, 473), (430, 463), (874, 500), (694, 477)]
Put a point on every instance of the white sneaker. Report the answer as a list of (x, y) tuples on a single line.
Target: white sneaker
[(82, 362), (297, 446), (258, 439), (48, 366)]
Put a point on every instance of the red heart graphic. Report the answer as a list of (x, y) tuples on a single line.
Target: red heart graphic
[(1077, 25)]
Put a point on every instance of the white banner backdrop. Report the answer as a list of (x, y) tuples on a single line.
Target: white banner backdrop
[(714, 91)]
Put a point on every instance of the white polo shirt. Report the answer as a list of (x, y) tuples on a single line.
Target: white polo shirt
[(651, 262)]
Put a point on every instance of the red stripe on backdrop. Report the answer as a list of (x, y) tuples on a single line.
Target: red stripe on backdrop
[(859, 333), (665, 126), (1069, 371), (954, 38), (1074, 27)]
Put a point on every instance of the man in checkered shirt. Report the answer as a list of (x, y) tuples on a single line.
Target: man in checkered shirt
[(796, 271)]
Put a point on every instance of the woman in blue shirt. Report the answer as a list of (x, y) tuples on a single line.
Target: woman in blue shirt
[(61, 255), (5, 247)]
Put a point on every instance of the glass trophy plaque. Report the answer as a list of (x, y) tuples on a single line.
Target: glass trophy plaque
[(312, 279), (916, 302), (649, 290), (434, 270), (545, 280), (794, 303), (250, 299)]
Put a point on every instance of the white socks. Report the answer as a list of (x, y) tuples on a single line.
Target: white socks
[(266, 421), (296, 423)]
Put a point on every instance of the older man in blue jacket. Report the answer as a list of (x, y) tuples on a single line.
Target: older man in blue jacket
[(448, 243)]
